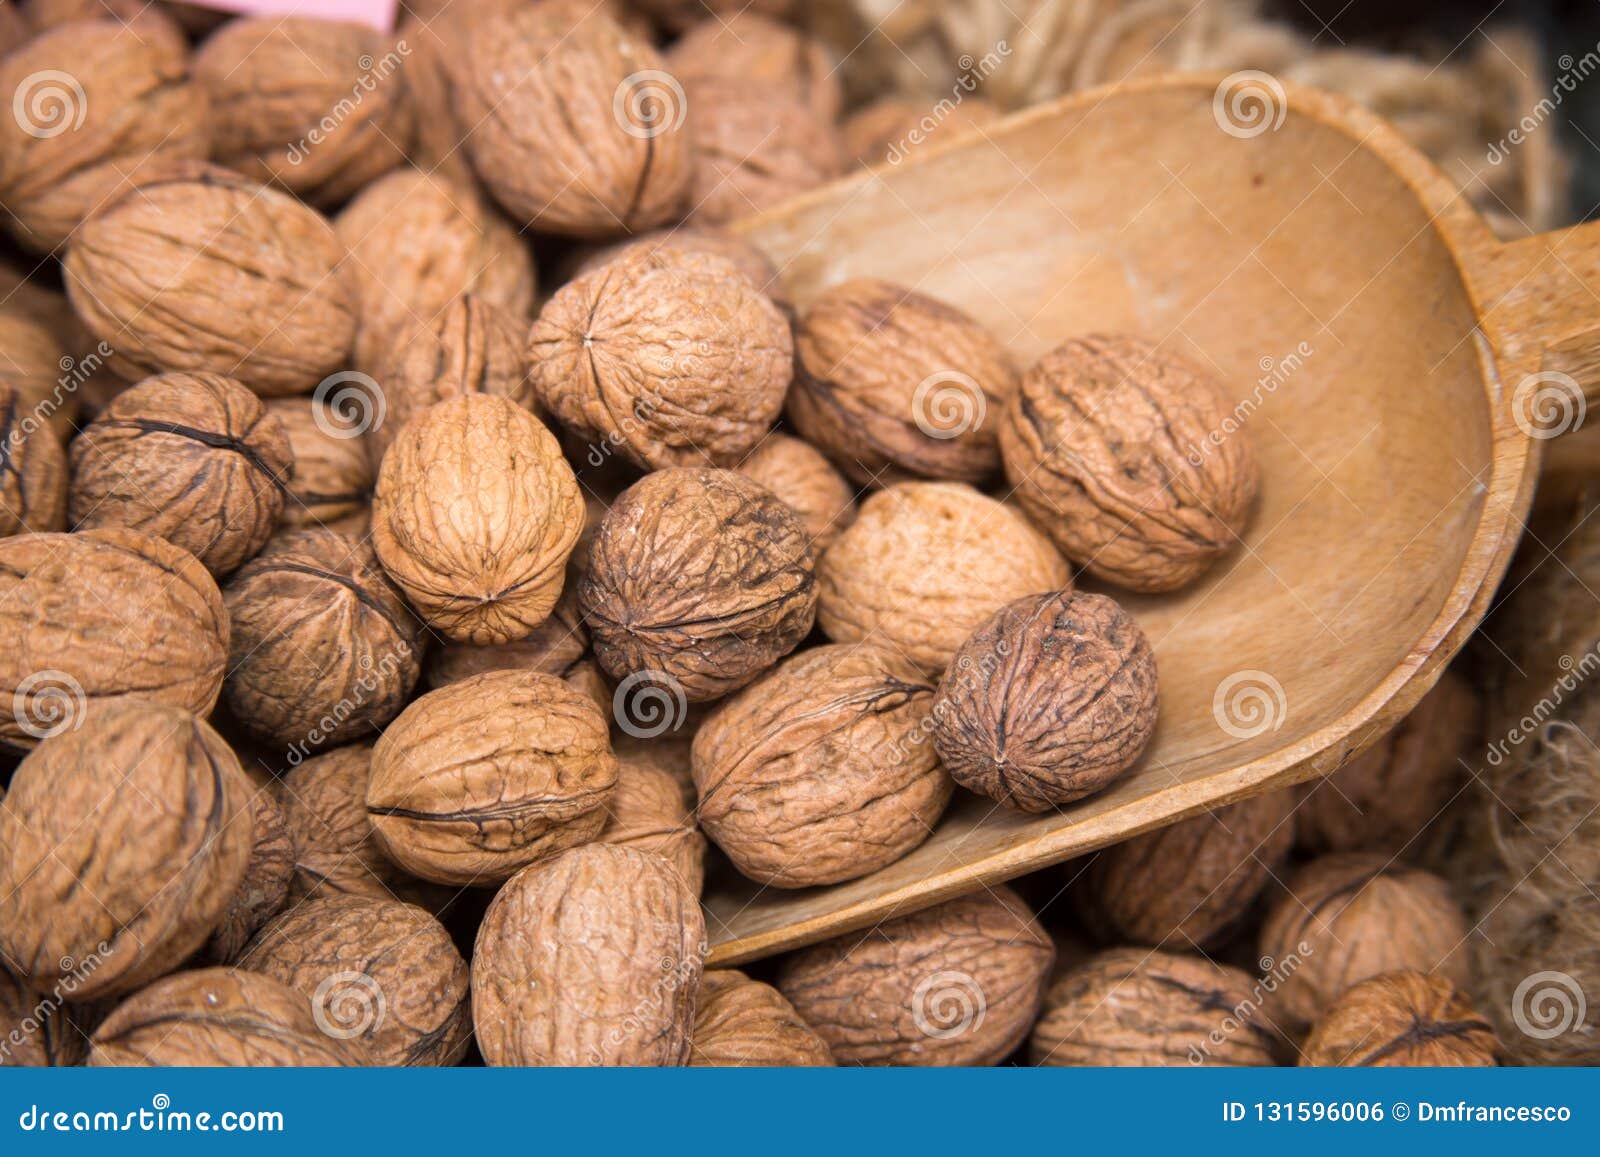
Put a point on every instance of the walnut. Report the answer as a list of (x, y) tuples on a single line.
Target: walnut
[(956, 984), (1402, 1019), (669, 357), (890, 128), (892, 384), (668, 751), (697, 578), (616, 941), (739, 1022), (925, 564), (482, 777), (37, 1030), (417, 242), (143, 19), (1190, 885), (100, 616), (333, 475), (651, 811), (379, 972), (755, 146), (14, 28), (1131, 459), (96, 105), (33, 470), (204, 270), (574, 126), (676, 15), (470, 347), (1134, 1007), (219, 1017), (32, 366), (819, 772), (799, 474), (1351, 916), (195, 459), (746, 256), (264, 890), (474, 518), (278, 83), (125, 840), (324, 650), (749, 45), (1384, 799)]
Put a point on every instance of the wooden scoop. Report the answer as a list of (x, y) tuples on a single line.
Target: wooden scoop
[(1397, 368)]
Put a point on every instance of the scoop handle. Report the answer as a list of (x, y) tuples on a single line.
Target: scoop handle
[(1546, 294)]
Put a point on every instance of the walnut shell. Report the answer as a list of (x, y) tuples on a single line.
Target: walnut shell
[(33, 365), (434, 39), (739, 1022), (125, 840), (474, 518), (276, 85), (892, 127), (1383, 800), (755, 146), (324, 650), (956, 984), (699, 579), (195, 459), (893, 384), (1351, 916), (264, 890), (333, 475), (204, 270), (746, 256), (33, 470), (142, 17), (1050, 700), (1131, 459), (677, 15), (749, 45), (1402, 1019), (101, 616), (37, 1030), (925, 564), (219, 1017), (819, 771), (471, 347), (1134, 1007), (417, 242), (480, 778), (799, 474), (96, 105), (616, 942), (1190, 885), (379, 972), (649, 810), (669, 357)]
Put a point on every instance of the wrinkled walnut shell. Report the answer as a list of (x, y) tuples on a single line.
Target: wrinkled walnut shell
[(819, 771), (649, 810), (799, 474), (739, 1022), (616, 941), (700, 579), (264, 890), (747, 44), (34, 361), (745, 255), (480, 778), (33, 470), (37, 1030), (333, 476), (1402, 1019)]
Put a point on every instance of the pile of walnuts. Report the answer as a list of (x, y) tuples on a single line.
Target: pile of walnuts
[(448, 543)]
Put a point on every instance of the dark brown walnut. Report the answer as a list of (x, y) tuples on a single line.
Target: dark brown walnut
[(102, 616), (666, 357), (956, 984), (650, 811), (1131, 1007), (821, 771), (616, 942), (470, 347), (125, 840), (203, 270), (925, 564), (892, 384), (1188, 886), (219, 1017), (317, 106), (1402, 1020), (1131, 459), (1352, 916), (96, 105), (195, 459), (381, 973), (477, 779), (1050, 700), (739, 1023), (417, 242), (333, 475), (747, 44), (891, 128), (573, 126), (798, 473), (697, 579), (35, 364), (324, 649), (746, 256), (1384, 799), (33, 470), (264, 890), (37, 1030)]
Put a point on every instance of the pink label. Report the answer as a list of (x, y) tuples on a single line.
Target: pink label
[(378, 14)]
